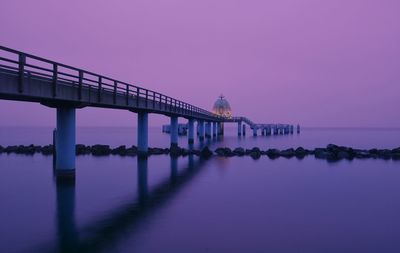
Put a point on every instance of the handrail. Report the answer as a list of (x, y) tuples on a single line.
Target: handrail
[(80, 80)]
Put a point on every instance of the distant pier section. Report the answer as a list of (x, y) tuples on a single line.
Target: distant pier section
[(223, 109)]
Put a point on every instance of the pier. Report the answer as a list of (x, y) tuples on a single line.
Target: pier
[(29, 78)]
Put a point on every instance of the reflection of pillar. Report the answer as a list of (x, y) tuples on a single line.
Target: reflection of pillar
[(65, 142), (298, 129), (142, 178), (200, 124), (239, 128), (191, 131), (66, 228), (174, 169), (208, 129), (174, 131), (143, 121)]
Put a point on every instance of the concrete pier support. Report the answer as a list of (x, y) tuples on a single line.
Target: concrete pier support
[(239, 128), (214, 131), (254, 131), (191, 131), (244, 130), (208, 129), (263, 131), (143, 132), (200, 125), (65, 142), (298, 129), (174, 131)]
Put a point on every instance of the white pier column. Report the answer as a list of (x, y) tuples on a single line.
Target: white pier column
[(65, 142), (143, 132), (174, 131)]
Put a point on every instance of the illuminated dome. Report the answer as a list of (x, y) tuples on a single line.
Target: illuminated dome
[(222, 107)]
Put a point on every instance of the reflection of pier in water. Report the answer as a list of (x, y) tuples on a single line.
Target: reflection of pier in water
[(106, 231)]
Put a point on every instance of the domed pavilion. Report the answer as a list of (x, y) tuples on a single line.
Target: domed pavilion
[(222, 108)]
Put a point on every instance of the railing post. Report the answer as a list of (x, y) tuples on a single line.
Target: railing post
[(115, 92), (137, 96), (160, 101), (21, 67), (55, 76), (99, 89), (147, 94), (154, 100), (80, 84), (127, 94)]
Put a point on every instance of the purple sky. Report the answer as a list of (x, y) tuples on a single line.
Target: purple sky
[(313, 62)]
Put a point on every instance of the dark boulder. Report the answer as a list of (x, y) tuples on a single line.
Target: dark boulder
[(239, 151), (255, 155), (11, 149), (100, 150), (120, 150), (81, 149), (47, 150), (132, 151), (288, 153), (273, 153), (206, 152), (300, 152), (175, 151)]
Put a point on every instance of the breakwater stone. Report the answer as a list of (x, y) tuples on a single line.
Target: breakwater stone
[(330, 153)]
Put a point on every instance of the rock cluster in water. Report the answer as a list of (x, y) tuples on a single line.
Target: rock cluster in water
[(331, 152)]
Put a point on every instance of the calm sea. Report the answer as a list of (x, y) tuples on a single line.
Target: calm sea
[(122, 204)]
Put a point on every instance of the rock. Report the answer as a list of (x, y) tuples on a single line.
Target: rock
[(239, 151), (396, 150), (360, 154), (1, 149), (343, 155), (288, 153), (333, 148), (132, 151), (81, 149), (224, 152), (321, 153), (396, 156), (273, 153), (11, 149), (206, 152), (156, 151), (175, 151), (47, 150), (300, 152), (220, 151), (100, 150), (121, 150), (255, 155)]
